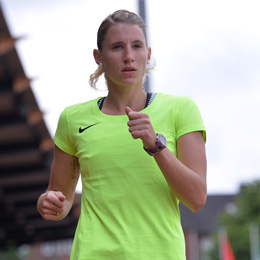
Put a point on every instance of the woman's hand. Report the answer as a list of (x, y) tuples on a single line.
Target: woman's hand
[(140, 127), (51, 205)]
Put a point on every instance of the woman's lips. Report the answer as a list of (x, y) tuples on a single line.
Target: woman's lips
[(129, 70)]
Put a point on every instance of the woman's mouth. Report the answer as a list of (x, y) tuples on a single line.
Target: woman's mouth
[(129, 69)]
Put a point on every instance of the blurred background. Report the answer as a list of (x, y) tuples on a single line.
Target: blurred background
[(208, 50)]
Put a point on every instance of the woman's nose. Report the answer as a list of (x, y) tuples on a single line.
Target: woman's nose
[(128, 55)]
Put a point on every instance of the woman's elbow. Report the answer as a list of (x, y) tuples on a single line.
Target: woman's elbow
[(199, 203)]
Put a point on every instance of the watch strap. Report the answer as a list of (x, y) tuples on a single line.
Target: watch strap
[(160, 144)]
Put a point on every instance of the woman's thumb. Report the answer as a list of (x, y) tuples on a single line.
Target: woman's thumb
[(128, 110), (60, 195)]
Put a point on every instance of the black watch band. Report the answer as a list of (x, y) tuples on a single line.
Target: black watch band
[(160, 144)]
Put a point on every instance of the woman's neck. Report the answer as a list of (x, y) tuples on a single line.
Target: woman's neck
[(116, 101)]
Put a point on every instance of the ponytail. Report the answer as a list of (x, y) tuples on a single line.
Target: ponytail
[(95, 76)]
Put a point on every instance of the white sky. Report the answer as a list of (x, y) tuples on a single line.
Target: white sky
[(209, 50)]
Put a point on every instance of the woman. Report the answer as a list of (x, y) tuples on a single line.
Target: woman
[(139, 154)]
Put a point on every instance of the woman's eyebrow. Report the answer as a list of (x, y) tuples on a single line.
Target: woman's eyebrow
[(122, 42)]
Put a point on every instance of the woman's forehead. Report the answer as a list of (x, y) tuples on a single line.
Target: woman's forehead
[(124, 31)]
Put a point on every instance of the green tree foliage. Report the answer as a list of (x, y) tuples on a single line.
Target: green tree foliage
[(15, 253), (10, 253), (246, 210), (214, 252)]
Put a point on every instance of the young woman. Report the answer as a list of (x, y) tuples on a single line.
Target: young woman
[(139, 154)]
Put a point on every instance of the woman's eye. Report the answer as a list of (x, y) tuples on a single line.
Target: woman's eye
[(136, 46), (117, 47)]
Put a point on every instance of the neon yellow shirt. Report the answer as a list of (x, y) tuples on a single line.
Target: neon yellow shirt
[(128, 211)]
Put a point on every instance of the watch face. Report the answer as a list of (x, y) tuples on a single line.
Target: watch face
[(161, 143), (162, 139)]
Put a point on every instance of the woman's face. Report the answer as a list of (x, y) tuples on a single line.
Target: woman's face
[(124, 55)]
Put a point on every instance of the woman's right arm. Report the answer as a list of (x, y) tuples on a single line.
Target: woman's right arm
[(57, 201)]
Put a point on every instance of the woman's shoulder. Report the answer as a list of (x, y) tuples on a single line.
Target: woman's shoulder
[(173, 99), (81, 107)]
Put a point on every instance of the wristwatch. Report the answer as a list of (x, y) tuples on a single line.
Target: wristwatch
[(160, 144)]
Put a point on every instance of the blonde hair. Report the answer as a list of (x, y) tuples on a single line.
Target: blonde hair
[(120, 16)]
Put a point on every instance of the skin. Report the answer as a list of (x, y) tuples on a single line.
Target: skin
[(124, 56)]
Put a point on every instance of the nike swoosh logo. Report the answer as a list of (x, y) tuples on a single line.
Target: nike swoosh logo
[(83, 129)]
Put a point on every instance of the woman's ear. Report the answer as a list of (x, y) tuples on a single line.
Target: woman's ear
[(97, 56), (149, 54)]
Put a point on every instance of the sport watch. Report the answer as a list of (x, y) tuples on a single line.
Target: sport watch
[(160, 144)]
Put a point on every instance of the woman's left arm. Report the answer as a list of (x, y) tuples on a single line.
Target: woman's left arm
[(186, 175)]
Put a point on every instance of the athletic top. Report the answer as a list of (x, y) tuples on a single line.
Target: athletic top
[(128, 211)]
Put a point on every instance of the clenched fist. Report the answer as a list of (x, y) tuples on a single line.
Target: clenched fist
[(140, 127), (51, 205)]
